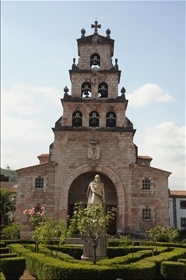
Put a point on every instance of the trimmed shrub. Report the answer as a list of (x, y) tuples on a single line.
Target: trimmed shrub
[(13, 268), (176, 254), (182, 261), (2, 277), (8, 255), (4, 250), (172, 270), (18, 249), (138, 270), (2, 244)]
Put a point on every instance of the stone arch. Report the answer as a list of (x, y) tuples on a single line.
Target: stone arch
[(107, 172)]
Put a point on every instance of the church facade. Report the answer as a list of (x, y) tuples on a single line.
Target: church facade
[(94, 136)]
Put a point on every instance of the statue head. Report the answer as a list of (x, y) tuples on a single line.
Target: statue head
[(97, 178)]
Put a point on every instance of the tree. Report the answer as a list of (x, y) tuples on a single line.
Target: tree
[(162, 234), (49, 232), (7, 206), (91, 222), (12, 231)]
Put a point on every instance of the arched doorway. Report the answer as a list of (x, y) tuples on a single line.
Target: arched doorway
[(78, 192)]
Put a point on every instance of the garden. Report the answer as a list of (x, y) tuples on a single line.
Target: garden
[(47, 255)]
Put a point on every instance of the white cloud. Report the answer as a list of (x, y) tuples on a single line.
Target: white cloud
[(25, 129), (26, 100), (147, 94), (165, 143), (49, 94)]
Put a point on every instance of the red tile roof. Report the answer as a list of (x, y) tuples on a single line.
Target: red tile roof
[(177, 193)]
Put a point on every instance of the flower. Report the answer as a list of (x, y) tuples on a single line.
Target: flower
[(35, 218)]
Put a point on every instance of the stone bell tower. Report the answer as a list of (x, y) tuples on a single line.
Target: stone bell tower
[(93, 135)]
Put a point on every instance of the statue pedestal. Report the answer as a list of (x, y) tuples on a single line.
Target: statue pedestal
[(88, 250)]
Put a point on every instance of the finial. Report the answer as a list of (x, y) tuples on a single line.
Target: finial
[(123, 90), (116, 64), (83, 31), (66, 90), (108, 32), (96, 26)]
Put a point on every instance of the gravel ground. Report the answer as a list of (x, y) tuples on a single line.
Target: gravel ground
[(27, 276)]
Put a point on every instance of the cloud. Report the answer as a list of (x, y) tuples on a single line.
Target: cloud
[(147, 94), (165, 143), (50, 94), (25, 100), (26, 118)]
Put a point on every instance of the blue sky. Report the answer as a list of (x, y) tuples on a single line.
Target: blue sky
[(38, 44)]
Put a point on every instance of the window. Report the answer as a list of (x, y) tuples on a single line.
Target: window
[(183, 222), (146, 214), (95, 61), (146, 184), (39, 183), (111, 119), (94, 119), (38, 209), (77, 118), (103, 90), (86, 90), (182, 204)]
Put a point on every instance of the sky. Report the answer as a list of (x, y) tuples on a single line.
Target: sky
[(38, 44)]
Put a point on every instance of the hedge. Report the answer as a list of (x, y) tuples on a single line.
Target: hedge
[(176, 254), (13, 268), (173, 270), (4, 250), (2, 277), (18, 249), (8, 255)]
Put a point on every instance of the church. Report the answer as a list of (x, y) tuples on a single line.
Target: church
[(94, 137)]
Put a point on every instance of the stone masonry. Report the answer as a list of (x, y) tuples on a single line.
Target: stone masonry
[(94, 136)]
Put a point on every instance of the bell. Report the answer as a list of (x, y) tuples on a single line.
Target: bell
[(77, 122), (94, 122), (103, 91), (111, 122), (86, 93), (86, 90), (95, 61)]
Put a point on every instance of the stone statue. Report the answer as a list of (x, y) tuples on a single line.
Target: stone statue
[(96, 192)]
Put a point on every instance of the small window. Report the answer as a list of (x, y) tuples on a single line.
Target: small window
[(146, 214), (146, 184), (182, 204), (39, 183), (38, 209), (183, 222)]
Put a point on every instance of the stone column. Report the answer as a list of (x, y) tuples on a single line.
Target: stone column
[(88, 250)]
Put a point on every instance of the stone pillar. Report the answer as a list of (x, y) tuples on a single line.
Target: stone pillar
[(88, 250)]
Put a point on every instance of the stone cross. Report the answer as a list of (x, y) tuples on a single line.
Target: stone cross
[(96, 26)]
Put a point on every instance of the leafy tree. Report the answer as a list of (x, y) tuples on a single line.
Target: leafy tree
[(49, 232), (91, 222), (7, 206), (12, 231), (162, 234), (13, 177)]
